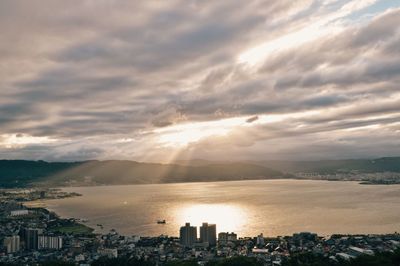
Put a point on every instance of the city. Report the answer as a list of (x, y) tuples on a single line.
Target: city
[(200, 132), (34, 235)]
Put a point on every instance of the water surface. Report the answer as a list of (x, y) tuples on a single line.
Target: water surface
[(274, 207)]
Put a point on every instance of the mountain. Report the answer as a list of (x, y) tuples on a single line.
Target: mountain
[(19, 173), (385, 164)]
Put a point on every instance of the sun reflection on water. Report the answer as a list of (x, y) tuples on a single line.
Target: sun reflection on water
[(227, 217)]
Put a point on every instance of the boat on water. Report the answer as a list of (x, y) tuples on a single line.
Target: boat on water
[(161, 222)]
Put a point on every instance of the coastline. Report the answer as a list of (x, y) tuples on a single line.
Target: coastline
[(81, 243), (89, 230), (124, 202)]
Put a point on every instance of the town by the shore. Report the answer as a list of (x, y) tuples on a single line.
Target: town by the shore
[(31, 235)]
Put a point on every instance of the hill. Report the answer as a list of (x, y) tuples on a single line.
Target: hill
[(385, 164), (19, 173)]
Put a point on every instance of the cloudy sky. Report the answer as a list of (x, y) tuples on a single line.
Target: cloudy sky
[(222, 80)]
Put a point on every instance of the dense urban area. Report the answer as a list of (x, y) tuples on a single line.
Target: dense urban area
[(35, 236)]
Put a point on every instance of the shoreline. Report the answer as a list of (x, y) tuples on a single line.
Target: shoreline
[(88, 208), (78, 221), (78, 241), (205, 182), (85, 185), (173, 224)]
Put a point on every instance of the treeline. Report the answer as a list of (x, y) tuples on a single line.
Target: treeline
[(124, 261), (305, 259), (236, 261), (379, 259)]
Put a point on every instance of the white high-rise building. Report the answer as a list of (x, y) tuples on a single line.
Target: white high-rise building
[(12, 244), (50, 242)]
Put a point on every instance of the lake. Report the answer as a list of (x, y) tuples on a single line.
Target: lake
[(272, 207)]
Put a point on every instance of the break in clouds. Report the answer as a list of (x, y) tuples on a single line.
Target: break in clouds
[(223, 80)]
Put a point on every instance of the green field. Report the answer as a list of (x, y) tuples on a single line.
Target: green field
[(73, 229)]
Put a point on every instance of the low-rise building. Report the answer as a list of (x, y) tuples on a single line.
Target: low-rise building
[(15, 213)]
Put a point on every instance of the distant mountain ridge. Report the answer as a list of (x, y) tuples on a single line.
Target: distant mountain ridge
[(20, 173), (384, 164)]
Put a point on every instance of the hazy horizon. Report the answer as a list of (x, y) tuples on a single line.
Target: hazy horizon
[(201, 159)]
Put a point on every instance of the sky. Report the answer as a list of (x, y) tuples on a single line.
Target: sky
[(185, 79)]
